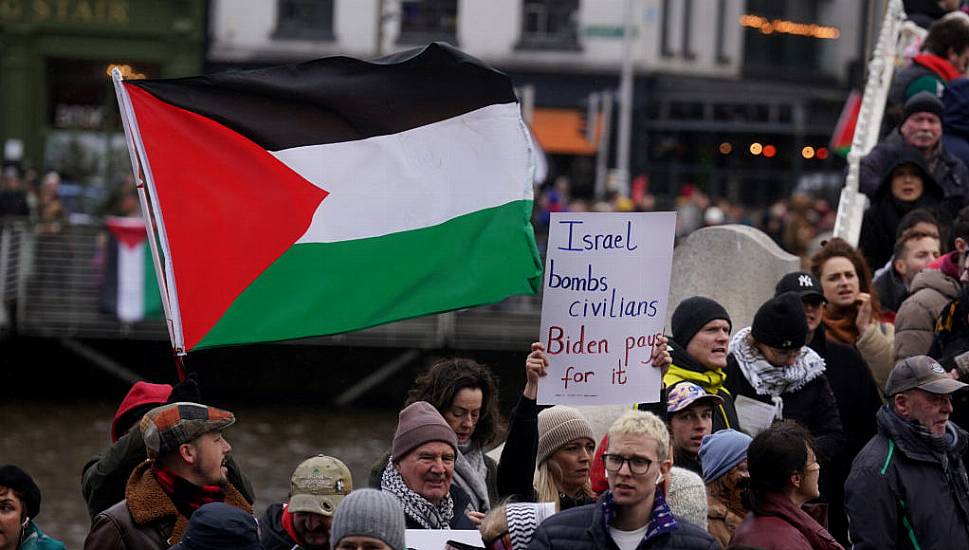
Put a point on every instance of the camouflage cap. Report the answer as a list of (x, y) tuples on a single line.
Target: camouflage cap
[(165, 428), (318, 485)]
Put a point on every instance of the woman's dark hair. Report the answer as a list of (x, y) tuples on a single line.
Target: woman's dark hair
[(839, 248), (446, 377), (773, 456)]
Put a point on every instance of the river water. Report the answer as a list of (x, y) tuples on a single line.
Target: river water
[(53, 441)]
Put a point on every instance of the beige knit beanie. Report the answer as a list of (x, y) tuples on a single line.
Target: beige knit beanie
[(557, 426)]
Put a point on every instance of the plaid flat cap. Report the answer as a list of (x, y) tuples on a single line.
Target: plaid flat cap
[(165, 428)]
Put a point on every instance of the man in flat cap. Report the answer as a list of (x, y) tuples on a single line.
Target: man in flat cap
[(317, 486), (186, 468), (908, 486)]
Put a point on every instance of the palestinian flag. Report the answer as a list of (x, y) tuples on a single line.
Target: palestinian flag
[(129, 287), (334, 195), (844, 131)]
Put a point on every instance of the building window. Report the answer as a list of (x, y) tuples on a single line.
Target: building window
[(722, 57), (665, 49), (304, 20), (424, 21), (687, 34), (550, 25)]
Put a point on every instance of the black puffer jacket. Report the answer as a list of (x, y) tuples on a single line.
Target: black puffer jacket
[(272, 535), (584, 528), (813, 406), (901, 493)]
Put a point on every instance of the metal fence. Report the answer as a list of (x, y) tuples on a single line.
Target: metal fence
[(51, 286)]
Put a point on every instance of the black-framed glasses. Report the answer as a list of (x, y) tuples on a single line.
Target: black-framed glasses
[(637, 464)]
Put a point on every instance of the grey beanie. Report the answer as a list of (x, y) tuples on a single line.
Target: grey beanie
[(557, 426), (369, 513), (688, 496)]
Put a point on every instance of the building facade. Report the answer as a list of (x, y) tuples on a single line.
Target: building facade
[(728, 93), (57, 102)]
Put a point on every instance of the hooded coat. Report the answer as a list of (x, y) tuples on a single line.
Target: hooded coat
[(933, 288), (880, 223), (947, 170), (902, 493)]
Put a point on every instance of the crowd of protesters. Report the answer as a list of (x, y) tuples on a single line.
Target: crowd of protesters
[(832, 421)]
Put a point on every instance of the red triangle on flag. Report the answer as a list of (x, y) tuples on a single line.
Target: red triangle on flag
[(229, 207), (130, 232)]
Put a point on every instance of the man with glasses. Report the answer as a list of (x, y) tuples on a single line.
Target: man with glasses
[(856, 394), (908, 486), (420, 470), (633, 513)]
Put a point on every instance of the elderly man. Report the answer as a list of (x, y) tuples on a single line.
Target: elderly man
[(368, 519), (908, 487), (420, 469), (632, 513), (186, 468), (316, 488), (921, 128)]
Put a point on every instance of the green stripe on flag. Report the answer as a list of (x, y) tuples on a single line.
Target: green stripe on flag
[(328, 288), (152, 305)]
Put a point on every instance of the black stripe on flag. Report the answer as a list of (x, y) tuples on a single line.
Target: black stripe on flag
[(339, 99)]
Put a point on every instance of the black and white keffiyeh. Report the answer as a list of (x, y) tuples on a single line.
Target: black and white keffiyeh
[(415, 506), (523, 518), (767, 379)]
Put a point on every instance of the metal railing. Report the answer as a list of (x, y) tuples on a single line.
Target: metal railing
[(54, 281)]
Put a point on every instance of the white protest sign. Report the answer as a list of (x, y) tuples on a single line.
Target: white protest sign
[(607, 284), (437, 539)]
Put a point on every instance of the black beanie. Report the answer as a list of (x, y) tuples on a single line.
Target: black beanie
[(923, 102), (18, 480), (692, 314), (780, 322)]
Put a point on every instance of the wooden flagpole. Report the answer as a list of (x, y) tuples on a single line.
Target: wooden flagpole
[(146, 192)]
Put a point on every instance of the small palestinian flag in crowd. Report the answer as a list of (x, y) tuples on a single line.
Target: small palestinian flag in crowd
[(334, 195), (844, 131), (129, 286)]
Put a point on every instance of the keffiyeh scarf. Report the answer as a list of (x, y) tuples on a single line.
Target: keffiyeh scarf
[(767, 379), (415, 506)]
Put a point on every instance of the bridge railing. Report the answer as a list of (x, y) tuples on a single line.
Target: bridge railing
[(51, 286)]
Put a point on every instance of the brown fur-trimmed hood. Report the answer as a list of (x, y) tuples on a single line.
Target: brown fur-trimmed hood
[(148, 503)]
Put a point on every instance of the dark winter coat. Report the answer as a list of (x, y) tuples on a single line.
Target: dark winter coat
[(902, 494), (949, 172), (779, 525), (460, 519), (858, 399), (880, 222), (891, 289), (272, 534), (813, 406), (955, 119), (584, 528)]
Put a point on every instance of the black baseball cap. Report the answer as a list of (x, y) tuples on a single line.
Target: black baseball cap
[(800, 282)]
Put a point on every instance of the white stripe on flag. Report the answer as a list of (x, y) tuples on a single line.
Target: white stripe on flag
[(418, 178), (131, 282)]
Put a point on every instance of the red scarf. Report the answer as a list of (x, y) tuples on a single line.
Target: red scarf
[(938, 65), (186, 496), (288, 525)]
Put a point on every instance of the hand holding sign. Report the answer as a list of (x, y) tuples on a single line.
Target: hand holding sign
[(606, 292), (536, 366)]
